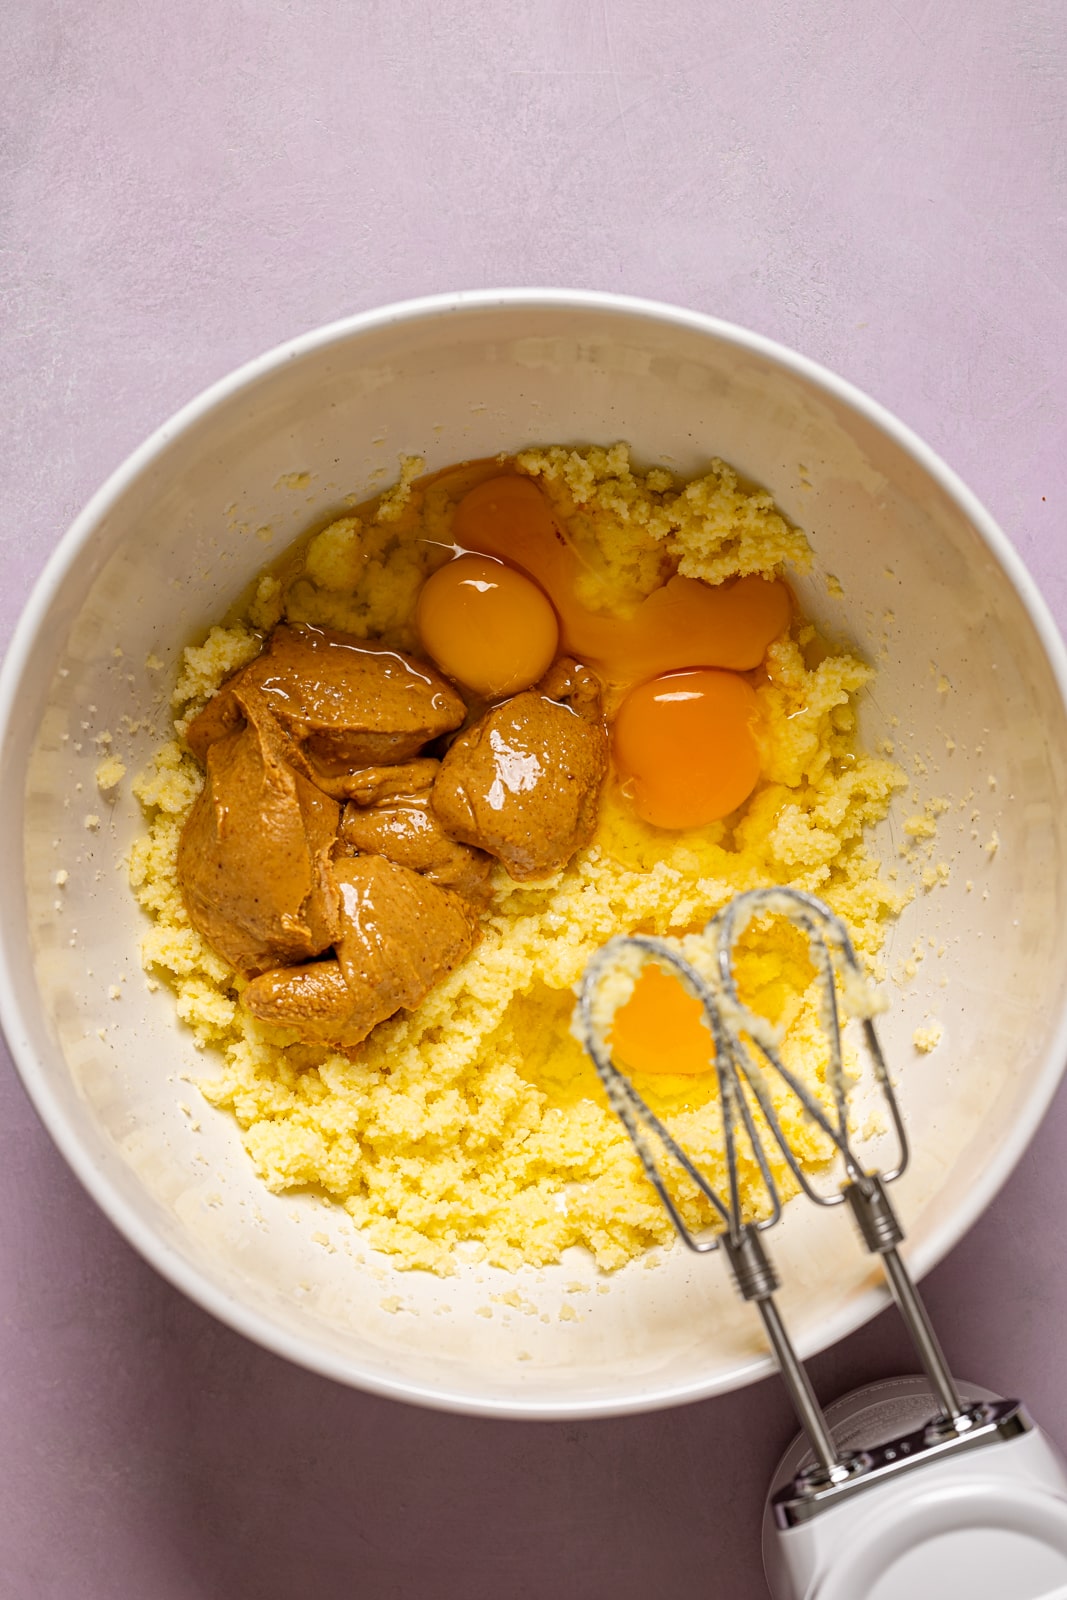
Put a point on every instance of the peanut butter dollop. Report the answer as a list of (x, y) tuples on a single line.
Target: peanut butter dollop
[(345, 703), (392, 817), (400, 934), (523, 782), (253, 859)]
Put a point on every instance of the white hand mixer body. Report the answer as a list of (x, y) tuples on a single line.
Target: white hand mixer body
[(985, 1523), (908, 1489)]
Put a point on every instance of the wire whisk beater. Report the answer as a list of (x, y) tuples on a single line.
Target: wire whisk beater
[(753, 1080)]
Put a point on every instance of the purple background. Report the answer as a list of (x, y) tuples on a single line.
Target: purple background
[(881, 186)]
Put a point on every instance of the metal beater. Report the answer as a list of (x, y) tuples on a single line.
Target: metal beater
[(972, 1493)]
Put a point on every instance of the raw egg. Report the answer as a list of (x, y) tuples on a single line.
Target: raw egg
[(659, 1029), (487, 626), (685, 623), (685, 747)]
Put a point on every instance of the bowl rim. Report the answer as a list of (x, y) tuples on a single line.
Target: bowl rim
[(14, 1006)]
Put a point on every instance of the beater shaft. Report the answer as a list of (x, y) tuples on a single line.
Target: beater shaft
[(922, 1335), (882, 1233), (757, 1280), (798, 1386)]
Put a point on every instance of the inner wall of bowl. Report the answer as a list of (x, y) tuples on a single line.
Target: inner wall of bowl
[(963, 691)]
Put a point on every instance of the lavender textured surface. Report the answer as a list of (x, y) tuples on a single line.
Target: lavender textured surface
[(883, 187)]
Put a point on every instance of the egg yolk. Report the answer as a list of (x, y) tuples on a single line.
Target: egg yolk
[(659, 1029), (685, 747), (685, 623), (487, 626)]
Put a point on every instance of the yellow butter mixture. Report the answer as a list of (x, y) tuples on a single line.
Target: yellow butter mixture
[(555, 586)]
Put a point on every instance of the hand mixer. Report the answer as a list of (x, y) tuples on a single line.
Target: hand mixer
[(907, 1489)]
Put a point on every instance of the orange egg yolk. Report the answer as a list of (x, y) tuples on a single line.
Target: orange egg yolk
[(487, 626), (685, 747), (659, 1029), (684, 623)]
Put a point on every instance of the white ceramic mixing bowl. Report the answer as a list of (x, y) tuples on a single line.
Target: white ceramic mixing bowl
[(970, 688)]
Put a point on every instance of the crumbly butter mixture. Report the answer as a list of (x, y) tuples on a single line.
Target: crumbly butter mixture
[(476, 1119)]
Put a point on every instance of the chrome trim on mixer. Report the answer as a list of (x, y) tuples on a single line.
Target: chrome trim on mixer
[(987, 1423)]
